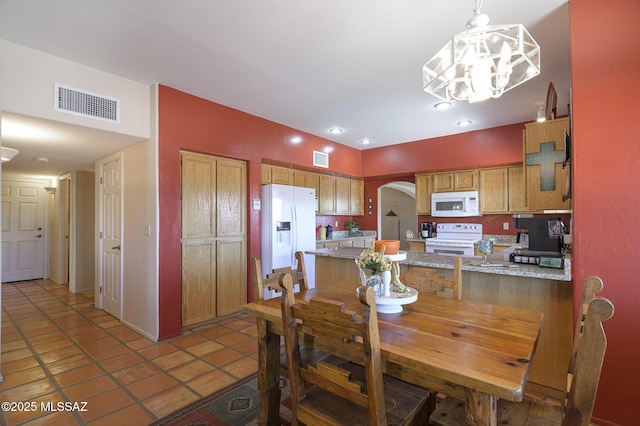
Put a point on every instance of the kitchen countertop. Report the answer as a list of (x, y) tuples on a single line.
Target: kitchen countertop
[(469, 263), (346, 235)]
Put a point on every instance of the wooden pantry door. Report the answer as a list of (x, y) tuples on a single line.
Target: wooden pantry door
[(213, 193)]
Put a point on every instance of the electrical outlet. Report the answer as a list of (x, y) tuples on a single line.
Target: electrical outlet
[(337, 224), (505, 226)]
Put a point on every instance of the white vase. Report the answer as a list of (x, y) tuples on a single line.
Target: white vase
[(386, 283)]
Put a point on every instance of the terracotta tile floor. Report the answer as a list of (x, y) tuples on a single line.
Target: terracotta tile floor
[(57, 347)]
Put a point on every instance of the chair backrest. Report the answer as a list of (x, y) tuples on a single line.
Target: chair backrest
[(588, 364), (592, 286), (427, 280), (338, 328), (271, 281)]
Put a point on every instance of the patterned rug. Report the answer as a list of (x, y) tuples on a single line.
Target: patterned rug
[(235, 405)]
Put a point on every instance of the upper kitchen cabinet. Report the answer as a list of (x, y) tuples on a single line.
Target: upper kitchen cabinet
[(356, 197), (424, 188), (544, 154), (306, 180), (517, 193), (349, 196), (465, 180), (326, 194), (343, 196), (494, 190), (277, 175)]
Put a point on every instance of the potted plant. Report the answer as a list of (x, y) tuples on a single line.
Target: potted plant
[(352, 226)]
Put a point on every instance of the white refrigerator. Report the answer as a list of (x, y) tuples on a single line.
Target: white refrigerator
[(288, 226)]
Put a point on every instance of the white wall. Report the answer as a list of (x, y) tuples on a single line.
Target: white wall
[(81, 259), (27, 80), (140, 271)]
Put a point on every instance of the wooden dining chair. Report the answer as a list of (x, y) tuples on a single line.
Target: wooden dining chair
[(347, 394), (270, 282), (427, 280), (577, 406)]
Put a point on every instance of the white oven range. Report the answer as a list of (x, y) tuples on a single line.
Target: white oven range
[(454, 239)]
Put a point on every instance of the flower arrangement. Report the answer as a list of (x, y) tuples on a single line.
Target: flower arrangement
[(374, 261)]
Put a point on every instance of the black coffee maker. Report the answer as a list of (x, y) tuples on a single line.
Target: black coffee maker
[(544, 236), (427, 229)]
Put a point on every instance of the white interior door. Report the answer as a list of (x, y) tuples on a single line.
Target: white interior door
[(111, 235), (22, 231)]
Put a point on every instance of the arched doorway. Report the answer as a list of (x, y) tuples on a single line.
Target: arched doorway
[(397, 198)]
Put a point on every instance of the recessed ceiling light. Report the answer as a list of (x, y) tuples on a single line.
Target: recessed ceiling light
[(442, 105), (365, 141), (336, 130), (464, 123)]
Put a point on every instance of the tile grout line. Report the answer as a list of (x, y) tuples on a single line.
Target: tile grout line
[(38, 284), (83, 350), (35, 355)]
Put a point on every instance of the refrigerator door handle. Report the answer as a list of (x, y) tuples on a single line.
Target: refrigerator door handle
[(294, 243)]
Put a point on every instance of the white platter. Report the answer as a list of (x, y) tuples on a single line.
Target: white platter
[(393, 304), (401, 255)]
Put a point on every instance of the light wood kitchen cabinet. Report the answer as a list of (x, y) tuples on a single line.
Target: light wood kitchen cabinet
[(464, 180), (517, 191), (417, 246), (336, 195), (266, 174), (340, 196), (494, 190), (277, 175), (424, 188), (281, 175), (356, 197), (443, 182), (306, 180), (343, 196), (544, 153), (326, 194), (364, 242)]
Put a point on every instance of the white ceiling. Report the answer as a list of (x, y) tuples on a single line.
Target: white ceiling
[(310, 65)]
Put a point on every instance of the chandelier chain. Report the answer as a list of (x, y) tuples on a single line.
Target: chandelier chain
[(477, 4)]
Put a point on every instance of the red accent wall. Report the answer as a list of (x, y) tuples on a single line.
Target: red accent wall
[(482, 148), (195, 124), (605, 58)]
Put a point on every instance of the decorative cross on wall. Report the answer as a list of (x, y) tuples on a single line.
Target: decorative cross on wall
[(546, 159)]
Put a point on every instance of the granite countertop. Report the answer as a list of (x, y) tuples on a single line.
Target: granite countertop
[(469, 263), (346, 235)]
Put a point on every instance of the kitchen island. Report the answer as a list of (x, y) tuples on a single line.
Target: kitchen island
[(546, 290)]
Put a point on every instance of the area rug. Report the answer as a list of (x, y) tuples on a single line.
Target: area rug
[(235, 405)]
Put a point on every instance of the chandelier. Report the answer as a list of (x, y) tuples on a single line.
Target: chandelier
[(483, 62)]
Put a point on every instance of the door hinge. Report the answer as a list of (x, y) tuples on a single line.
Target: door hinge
[(100, 180), (100, 234), (100, 289)]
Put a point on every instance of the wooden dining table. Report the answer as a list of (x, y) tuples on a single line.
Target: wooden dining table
[(473, 351)]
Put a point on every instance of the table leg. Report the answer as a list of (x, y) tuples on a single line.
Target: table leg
[(482, 408), (268, 374)]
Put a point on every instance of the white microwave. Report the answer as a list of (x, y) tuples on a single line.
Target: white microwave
[(455, 204)]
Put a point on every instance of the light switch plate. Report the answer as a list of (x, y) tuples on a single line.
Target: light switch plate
[(256, 204)]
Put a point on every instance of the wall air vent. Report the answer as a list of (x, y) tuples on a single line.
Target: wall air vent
[(321, 159), (85, 104)]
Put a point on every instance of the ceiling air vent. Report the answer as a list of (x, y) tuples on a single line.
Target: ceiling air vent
[(86, 104), (320, 159)]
